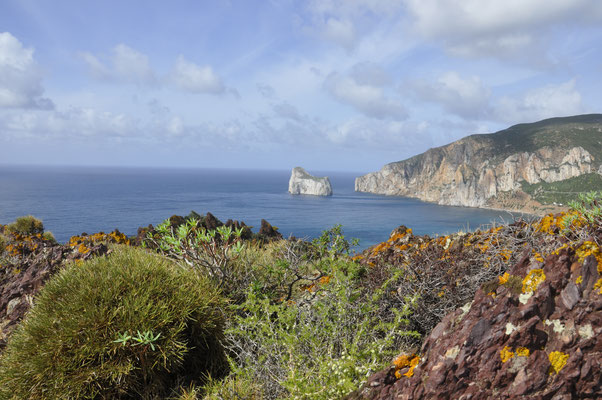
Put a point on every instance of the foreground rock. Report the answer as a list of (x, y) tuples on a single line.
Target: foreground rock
[(476, 170), (303, 183), (533, 333), (27, 263)]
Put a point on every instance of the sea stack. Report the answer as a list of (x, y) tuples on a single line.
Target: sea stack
[(303, 183)]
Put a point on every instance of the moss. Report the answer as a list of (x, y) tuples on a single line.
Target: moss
[(514, 284)]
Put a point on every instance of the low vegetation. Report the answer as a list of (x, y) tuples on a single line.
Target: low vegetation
[(292, 319), (565, 191), (130, 325)]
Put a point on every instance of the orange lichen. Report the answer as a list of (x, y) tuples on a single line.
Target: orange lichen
[(324, 280), (82, 248), (587, 249), (506, 354), (522, 352), (557, 361), (598, 285), (537, 256), (550, 224), (533, 280), (504, 278), (404, 361)]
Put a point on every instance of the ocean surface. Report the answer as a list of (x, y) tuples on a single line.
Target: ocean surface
[(72, 200)]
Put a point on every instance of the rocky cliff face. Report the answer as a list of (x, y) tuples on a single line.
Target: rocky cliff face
[(475, 169), (303, 183), (458, 175)]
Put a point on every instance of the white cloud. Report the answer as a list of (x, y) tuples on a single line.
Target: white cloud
[(194, 78), (340, 31), (126, 65), (366, 98), (493, 27), (20, 76), (343, 21), (545, 102), (466, 97)]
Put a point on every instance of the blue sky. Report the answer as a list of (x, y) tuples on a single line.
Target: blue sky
[(328, 85)]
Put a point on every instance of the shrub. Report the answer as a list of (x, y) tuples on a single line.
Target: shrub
[(49, 237), (129, 325), (212, 252), (2, 243), (322, 344), (27, 225)]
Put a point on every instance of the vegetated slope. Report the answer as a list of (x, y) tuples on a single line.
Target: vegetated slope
[(532, 332), (507, 311), (476, 170)]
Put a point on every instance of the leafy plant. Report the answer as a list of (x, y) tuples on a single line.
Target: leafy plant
[(130, 325), (320, 344), (210, 251), (332, 243)]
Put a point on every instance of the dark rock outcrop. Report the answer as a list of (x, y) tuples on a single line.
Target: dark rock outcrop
[(543, 343), (28, 262)]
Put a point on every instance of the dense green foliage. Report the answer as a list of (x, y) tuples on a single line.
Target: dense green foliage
[(564, 191), (27, 225), (129, 325)]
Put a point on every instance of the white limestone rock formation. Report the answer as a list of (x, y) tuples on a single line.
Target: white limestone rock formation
[(476, 170), (303, 183)]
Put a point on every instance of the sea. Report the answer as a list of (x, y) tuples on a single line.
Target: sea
[(72, 200)]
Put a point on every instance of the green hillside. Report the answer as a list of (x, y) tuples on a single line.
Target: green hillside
[(567, 132)]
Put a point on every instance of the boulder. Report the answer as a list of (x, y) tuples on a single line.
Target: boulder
[(303, 183)]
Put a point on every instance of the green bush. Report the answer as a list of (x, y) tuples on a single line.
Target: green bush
[(320, 345), (49, 237), (27, 225), (129, 325)]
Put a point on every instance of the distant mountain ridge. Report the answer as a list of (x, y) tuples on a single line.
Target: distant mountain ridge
[(508, 169)]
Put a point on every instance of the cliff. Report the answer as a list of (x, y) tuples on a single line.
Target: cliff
[(479, 170), (303, 183)]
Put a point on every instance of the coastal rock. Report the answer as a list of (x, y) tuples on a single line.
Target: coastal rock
[(546, 347), (474, 171), (303, 183)]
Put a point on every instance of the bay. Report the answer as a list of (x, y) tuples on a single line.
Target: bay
[(72, 200)]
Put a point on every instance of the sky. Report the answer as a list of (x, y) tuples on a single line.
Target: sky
[(330, 85)]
